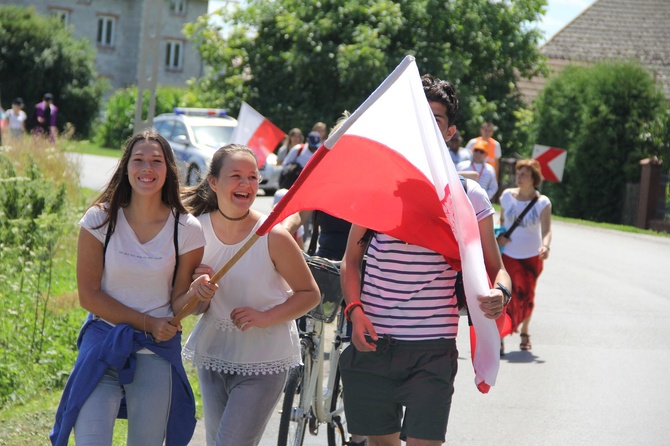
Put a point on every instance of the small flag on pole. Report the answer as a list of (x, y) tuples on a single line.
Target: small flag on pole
[(257, 132)]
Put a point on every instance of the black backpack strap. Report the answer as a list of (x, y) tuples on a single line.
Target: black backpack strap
[(315, 233), (175, 239), (108, 235)]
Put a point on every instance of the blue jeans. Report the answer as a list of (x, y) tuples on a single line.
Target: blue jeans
[(237, 407), (147, 398)]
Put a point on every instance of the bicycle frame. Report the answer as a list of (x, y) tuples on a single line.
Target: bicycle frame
[(317, 405), (321, 401)]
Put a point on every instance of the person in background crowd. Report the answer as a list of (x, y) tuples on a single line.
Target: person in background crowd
[(137, 252), (528, 246), (398, 373), (247, 340), (494, 151), (46, 113), (322, 129), (15, 119), (293, 138), (300, 154), (458, 153), (294, 162), (485, 174)]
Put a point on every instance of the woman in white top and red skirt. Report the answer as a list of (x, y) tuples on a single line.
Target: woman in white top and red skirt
[(529, 244)]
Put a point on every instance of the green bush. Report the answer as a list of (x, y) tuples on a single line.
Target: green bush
[(118, 119), (598, 113), (37, 343)]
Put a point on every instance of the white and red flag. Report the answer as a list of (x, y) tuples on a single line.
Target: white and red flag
[(387, 168), (257, 132)]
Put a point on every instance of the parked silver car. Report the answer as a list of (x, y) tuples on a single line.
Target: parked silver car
[(270, 175), (194, 135)]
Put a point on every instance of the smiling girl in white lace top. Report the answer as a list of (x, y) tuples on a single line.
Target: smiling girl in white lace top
[(247, 340)]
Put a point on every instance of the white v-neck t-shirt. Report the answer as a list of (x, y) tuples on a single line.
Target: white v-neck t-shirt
[(139, 275)]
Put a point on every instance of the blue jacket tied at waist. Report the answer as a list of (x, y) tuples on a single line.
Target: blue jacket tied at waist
[(102, 346)]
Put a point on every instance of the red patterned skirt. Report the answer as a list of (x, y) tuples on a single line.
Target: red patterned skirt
[(524, 274)]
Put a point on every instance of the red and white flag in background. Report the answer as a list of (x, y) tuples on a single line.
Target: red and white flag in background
[(387, 168), (257, 132)]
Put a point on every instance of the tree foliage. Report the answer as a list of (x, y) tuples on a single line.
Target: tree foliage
[(302, 61), (39, 55), (608, 116), (118, 121)]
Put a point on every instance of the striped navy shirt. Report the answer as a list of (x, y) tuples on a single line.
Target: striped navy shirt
[(409, 291)]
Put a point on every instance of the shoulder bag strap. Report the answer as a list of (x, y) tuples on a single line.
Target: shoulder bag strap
[(517, 222)]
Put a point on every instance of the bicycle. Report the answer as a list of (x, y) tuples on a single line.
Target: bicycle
[(307, 404)]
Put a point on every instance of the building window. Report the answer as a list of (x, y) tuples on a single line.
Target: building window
[(105, 36), (178, 7), (173, 54), (63, 15)]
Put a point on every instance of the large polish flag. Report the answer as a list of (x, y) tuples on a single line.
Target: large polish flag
[(387, 168), (257, 132)]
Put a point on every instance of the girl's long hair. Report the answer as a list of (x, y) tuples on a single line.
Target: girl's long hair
[(201, 199), (118, 192)]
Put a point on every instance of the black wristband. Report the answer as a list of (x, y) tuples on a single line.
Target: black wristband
[(506, 293)]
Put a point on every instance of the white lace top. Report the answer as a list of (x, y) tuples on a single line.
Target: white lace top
[(216, 343)]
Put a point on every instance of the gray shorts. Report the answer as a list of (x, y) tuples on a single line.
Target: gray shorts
[(415, 375)]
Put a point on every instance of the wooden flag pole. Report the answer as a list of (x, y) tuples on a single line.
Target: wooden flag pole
[(194, 301)]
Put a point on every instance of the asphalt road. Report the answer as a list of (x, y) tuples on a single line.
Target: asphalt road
[(597, 373)]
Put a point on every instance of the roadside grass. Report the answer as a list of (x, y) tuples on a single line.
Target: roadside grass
[(89, 148), (612, 226)]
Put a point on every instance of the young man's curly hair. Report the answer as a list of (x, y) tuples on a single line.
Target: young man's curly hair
[(437, 90)]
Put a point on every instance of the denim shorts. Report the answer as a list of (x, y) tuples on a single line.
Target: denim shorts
[(415, 375)]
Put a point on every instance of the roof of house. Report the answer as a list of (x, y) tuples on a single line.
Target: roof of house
[(618, 29)]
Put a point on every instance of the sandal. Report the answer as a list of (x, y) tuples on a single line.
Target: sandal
[(525, 342)]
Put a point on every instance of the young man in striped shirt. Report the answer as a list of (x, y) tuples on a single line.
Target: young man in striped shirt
[(404, 312)]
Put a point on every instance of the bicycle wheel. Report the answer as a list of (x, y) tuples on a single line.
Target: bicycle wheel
[(337, 429), (295, 409)]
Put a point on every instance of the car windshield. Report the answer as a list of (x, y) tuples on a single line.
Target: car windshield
[(213, 136)]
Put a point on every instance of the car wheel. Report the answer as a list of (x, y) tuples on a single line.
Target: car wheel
[(194, 175)]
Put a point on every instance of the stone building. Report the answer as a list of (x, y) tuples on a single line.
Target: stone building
[(122, 32)]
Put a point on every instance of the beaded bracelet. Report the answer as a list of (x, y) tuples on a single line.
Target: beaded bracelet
[(348, 309)]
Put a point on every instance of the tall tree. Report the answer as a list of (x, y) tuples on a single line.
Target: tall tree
[(39, 55), (301, 61)]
